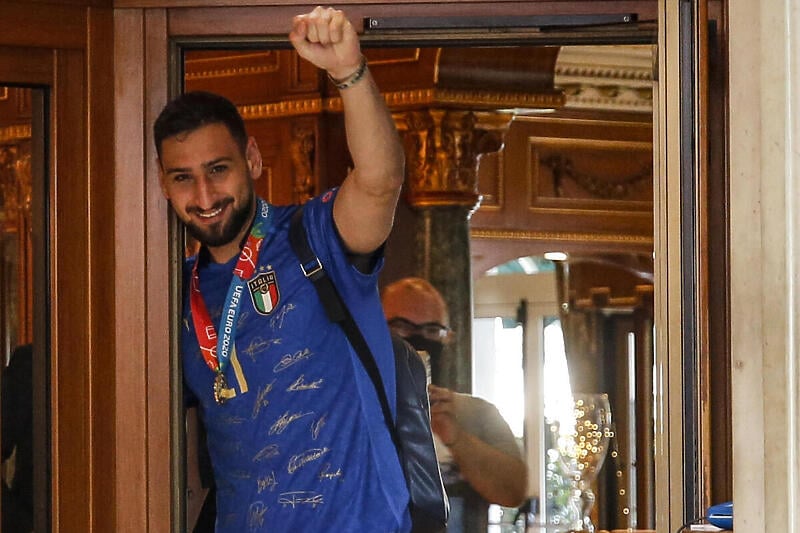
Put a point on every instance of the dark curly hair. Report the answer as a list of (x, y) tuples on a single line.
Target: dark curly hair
[(192, 110)]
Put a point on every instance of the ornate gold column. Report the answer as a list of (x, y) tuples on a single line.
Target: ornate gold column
[(442, 149)]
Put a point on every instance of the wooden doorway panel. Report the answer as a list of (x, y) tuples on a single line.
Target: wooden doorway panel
[(46, 47), (145, 31)]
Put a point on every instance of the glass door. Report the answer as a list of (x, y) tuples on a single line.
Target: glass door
[(23, 311), (510, 370), (576, 388)]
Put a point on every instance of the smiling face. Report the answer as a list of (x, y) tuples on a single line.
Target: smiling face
[(209, 183)]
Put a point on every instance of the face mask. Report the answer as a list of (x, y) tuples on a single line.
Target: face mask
[(434, 350)]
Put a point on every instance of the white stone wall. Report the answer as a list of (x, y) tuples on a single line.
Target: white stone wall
[(765, 231)]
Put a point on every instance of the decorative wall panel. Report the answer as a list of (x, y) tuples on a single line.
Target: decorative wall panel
[(567, 182)]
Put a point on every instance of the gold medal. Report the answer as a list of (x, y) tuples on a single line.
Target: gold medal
[(219, 386)]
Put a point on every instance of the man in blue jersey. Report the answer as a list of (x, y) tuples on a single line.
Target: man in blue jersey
[(295, 431)]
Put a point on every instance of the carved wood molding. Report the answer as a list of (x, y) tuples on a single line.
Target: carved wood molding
[(287, 108), (616, 78), (399, 100), (18, 132), (601, 299), (231, 65), (410, 99), (442, 148), (301, 149), (600, 187), (567, 237), (612, 172), (477, 100), (15, 186)]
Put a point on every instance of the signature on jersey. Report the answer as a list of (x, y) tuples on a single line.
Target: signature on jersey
[(301, 497)]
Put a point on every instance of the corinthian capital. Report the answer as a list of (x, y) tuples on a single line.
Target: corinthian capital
[(442, 149)]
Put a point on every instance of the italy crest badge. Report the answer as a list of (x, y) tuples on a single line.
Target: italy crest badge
[(264, 292)]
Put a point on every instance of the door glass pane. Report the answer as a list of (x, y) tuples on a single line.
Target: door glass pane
[(497, 368), (498, 377), (23, 335), (560, 506)]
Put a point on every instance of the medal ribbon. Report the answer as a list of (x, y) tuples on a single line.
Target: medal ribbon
[(216, 349)]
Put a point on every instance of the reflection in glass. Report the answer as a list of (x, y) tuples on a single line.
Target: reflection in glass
[(562, 509), (498, 377), (18, 107), (497, 371), (17, 440), (591, 437), (611, 345), (577, 448)]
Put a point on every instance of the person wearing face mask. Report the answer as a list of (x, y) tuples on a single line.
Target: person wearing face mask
[(480, 459)]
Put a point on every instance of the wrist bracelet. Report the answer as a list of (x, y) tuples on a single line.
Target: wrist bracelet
[(353, 78)]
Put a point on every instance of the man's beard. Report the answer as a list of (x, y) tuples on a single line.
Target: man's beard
[(223, 232)]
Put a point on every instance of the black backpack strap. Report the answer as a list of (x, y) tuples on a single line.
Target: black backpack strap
[(428, 504), (312, 269), (338, 312)]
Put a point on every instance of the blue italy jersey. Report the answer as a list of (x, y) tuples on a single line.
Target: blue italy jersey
[(302, 446)]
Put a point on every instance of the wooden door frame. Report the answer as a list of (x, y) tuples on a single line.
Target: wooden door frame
[(48, 46), (692, 308), (110, 399), (147, 261)]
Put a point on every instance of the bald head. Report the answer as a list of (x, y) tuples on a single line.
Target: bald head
[(416, 300)]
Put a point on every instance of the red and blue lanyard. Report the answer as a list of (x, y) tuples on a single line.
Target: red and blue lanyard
[(216, 344)]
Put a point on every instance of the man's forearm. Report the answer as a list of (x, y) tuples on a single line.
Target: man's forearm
[(372, 137), (364, 208), (371, 190), (498, 477)]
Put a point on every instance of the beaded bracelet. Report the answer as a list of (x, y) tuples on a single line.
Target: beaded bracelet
[(353, 78)]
